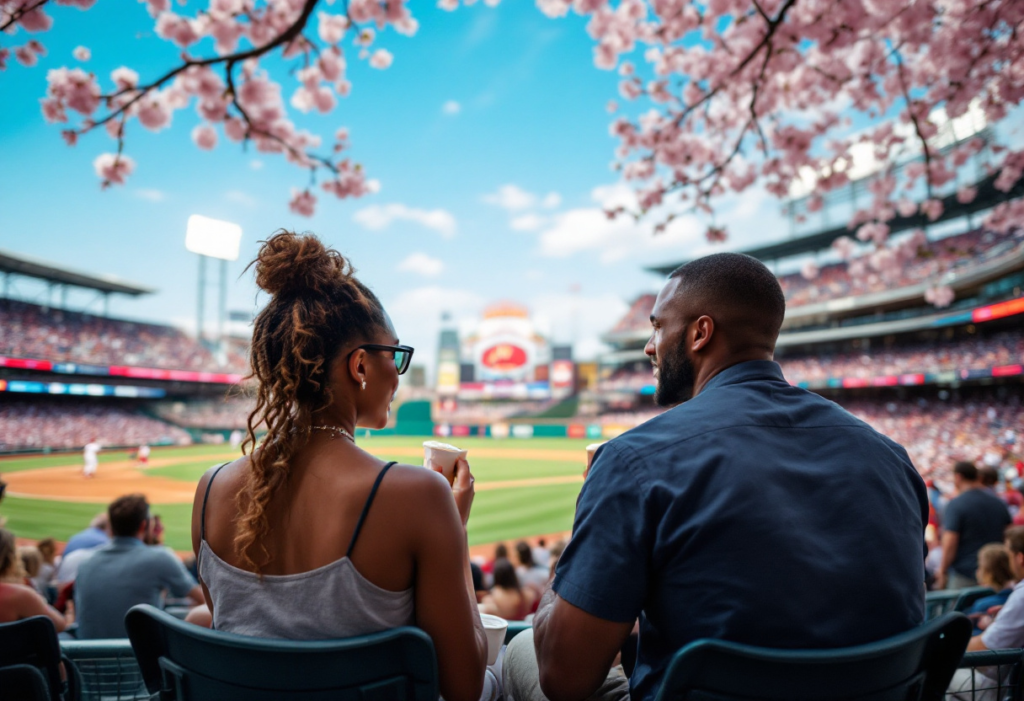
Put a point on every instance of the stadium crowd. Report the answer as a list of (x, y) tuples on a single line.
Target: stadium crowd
[(74, 423), (32, 331), (953, 254), (230, 412)]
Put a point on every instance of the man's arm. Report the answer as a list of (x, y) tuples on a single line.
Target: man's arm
[(976, 644), (575, 649), (950, 543)]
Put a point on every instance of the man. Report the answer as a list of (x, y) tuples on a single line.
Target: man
[(127, 572), (98, 533), (90, 458), (752, 511), (1005, 632), (974, 518)]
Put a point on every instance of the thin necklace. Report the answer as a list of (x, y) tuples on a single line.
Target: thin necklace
[(334, 429)]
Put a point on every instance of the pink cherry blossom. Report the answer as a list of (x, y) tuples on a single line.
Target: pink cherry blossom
[(303, 203), (932, 209), (35, 21), (74, 88), (716, 234), (180, 30), (381, 59), (25, 56), (874, 231), (81, 53), (113, 168), (966, 195), (612, 107), (154, 112), (332, 27), (810, 270), (939, 296), (234, 129), (53, 110), (124, 78), (204, 137), (845, 247)]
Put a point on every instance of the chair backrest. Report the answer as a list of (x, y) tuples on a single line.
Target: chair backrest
[(912, 666), (23, 682), (939, 602), (186, 662), (33, 641), (969, 596)]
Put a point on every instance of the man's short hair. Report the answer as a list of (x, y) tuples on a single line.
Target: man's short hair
[(1014, 538), (127, 514), (736, 281), (988, 475), (967, 470)]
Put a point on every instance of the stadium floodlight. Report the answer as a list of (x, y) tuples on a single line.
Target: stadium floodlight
[(213, 238)]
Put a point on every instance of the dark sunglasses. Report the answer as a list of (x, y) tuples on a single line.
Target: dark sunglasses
[(403, 354)]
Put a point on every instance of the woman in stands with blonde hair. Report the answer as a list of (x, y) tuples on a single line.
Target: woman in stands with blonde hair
[(308, 536), (17, 600)]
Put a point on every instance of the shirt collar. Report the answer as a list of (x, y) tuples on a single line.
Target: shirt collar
[(126, 542), (746, 372)]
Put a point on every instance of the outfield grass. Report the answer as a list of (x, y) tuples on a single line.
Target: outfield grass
[(499, 514)]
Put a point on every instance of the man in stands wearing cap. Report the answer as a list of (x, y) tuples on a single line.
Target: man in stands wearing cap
[(752, 511)]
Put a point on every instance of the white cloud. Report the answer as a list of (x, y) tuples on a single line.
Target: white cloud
[(528, 222), (255, 164), (240, 197), (423, 264), (511, 197), (551, 200), (151, 195), (579, 319), (416, 314), (378, 217), (589, 229), (451, 107)]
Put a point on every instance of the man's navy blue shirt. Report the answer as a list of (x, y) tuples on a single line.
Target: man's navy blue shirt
[(756, 512)]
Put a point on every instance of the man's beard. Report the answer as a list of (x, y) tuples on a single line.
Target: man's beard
[(676, 377)]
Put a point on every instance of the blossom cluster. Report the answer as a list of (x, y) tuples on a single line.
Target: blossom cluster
[(231, 93)]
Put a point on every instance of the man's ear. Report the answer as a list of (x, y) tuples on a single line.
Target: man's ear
[(704, 329)]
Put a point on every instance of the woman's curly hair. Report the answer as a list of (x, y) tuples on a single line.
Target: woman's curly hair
[(317, 306)]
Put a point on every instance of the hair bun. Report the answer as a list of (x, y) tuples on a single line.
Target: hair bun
[(297, 263)]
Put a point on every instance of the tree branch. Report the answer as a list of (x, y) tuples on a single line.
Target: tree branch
[(21, 12)]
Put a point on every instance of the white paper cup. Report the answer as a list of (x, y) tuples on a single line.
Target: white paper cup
[(495, 628), (444, 456), (591, 449)]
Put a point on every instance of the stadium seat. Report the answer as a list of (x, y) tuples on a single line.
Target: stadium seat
[(939, 602), (182, 661), (515, 628), (970, 595), (32, 642), (918, 664), (23, 682)]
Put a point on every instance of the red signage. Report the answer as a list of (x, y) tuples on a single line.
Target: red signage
[(504, 356), (998, 311)]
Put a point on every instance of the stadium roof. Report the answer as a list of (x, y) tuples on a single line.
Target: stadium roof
[(18, 264), (988, 196)]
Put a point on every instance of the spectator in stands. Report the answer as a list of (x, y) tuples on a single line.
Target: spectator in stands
[(988, 476), (975, 517), (500, 551), (508, 598), (98, 533), (529, 572), (994, 572), (18, 601), (541, 554), (744, 513), (126, 572), (1006, 630), (31, 563), (48, 551), (382, 545)]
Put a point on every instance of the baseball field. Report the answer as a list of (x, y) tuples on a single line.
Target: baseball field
[(524, 487)]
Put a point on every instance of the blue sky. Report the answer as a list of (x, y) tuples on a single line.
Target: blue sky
[(497, 199)]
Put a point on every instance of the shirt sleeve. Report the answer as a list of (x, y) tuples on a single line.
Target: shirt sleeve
[(604, 567), (1007, 630), (951, 519), (174, 575)]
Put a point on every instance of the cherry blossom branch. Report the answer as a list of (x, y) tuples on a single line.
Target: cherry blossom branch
[(19, 13)]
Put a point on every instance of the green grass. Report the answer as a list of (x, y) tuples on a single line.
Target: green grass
[(500, 514)]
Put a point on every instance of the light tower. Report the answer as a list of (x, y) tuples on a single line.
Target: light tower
[(213, 238)]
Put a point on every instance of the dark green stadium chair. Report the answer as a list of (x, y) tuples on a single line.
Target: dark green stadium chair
[(970, 595), (515, 628), (183, 662), (23, 682), (939, 602), (913, 666), (33, 642)]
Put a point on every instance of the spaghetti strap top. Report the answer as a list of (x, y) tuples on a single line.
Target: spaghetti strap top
[(333, 601)]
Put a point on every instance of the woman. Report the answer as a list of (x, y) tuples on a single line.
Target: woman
[(308, 536), (530, 573), (993, 572), (18, 601), (507, 599)]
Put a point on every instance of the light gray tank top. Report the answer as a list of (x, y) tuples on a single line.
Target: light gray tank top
[(333, 601)]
